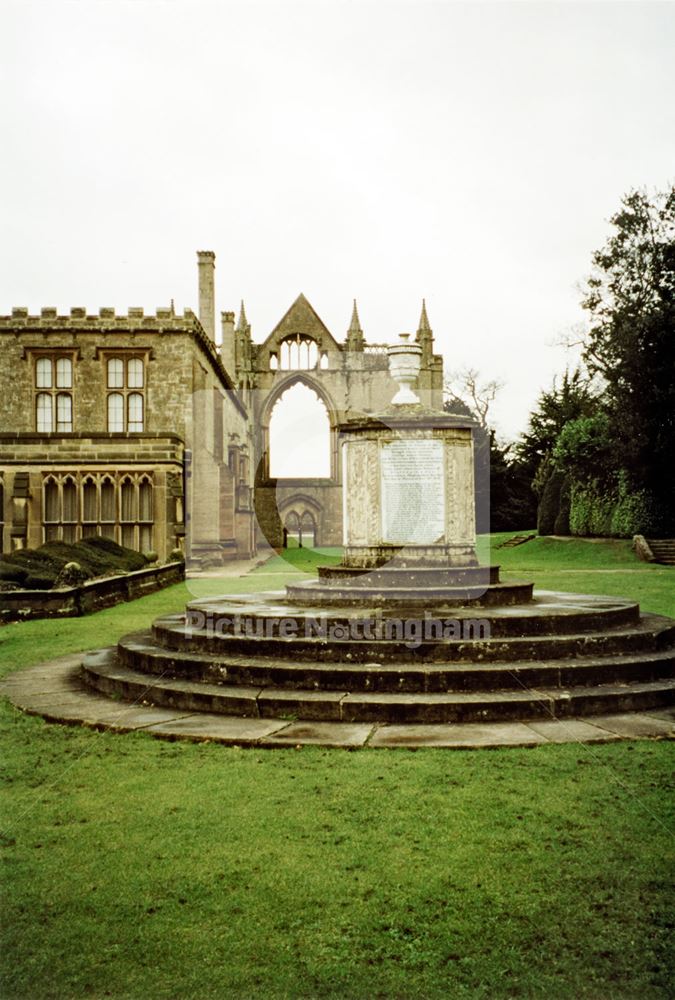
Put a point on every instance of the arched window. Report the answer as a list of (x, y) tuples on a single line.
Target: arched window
[(308, 529), (43, 373), (128, 511), (89, 507), (64, 411), (115, 373), (51, 509), (45, 411), (145, 514), (108, 508), (135, 373), (115, 412), (324, 361), (274, 362), (135, 412), (292, 529), (69, 509), (64, 373), (299, 435), (298, 353)]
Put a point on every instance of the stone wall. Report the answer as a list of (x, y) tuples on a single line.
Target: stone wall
[(71, 602)]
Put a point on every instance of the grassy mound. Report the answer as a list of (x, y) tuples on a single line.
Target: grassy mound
[(38, 569)]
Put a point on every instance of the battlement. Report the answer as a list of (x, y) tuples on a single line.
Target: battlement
[(106, 320)]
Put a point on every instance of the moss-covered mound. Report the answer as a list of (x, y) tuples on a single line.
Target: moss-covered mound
[(38, 569)]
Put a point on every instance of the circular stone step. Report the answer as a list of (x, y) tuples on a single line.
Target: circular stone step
[(419, 660), (485, 595), (651, 633), (103, 671), (140, 653)]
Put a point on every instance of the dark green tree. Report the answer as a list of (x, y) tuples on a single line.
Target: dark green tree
[(572, 398), (630, 298)]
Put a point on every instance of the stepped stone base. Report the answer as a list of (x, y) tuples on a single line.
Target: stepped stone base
[(55, 691), (365, 660)]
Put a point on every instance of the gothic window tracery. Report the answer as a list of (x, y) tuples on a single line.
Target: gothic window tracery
[(298, 353)]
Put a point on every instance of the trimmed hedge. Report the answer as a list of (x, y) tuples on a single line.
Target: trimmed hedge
[(614, 511), (38, 569)]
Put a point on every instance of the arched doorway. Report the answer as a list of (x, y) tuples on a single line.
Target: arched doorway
[(300, 526)]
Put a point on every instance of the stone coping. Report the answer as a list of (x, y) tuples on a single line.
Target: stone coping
[(55, 692), (92, 595)]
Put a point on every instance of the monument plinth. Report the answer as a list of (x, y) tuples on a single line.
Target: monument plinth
[(408, 490)]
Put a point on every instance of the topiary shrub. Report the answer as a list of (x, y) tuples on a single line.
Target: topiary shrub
[(118, 557), (40, 568), (150, 557), (562, 521), (177, 555), (602, 505), (37, 581), (12, 572), (108, 556), (580, 510), (549, 504)]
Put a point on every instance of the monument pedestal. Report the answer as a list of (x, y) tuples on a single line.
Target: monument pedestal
[(408, 490)]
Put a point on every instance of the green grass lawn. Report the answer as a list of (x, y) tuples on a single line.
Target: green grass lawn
[(586, 567), (135, 868)]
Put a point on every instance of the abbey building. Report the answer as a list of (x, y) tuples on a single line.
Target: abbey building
[(159, 430)]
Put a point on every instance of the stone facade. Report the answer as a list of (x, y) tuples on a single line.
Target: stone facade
[(116, 425), (145, 429)]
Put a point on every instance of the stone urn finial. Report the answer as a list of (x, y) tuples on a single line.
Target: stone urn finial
[(404, 367)]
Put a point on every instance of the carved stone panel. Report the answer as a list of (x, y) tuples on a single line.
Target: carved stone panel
[(413, 491)]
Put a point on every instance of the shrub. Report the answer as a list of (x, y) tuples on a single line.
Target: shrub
[(176, 555), (150, 557), (13, 572), (562, 521), (580, 511), (40, 568), (37, 581), (549, 504), (615, 511), (636, 513), (106, 555)]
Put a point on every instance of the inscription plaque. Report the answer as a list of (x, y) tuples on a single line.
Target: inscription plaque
[(413, 492)]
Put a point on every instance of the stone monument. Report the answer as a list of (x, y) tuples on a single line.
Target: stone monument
[(392, 633), (408, 480)]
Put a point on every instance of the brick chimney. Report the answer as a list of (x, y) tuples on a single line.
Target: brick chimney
[(206, 261)]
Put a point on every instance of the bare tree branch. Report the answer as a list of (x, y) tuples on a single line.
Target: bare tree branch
[(465, 385)]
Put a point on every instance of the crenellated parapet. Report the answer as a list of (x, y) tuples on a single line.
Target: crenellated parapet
[(107, 323), (163, 319)]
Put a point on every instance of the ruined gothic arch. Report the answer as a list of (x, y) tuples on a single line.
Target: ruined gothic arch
[(283, 385)]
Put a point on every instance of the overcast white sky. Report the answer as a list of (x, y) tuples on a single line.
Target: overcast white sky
[(469, 153)]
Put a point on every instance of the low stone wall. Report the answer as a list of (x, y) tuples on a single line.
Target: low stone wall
[(70, 602)]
